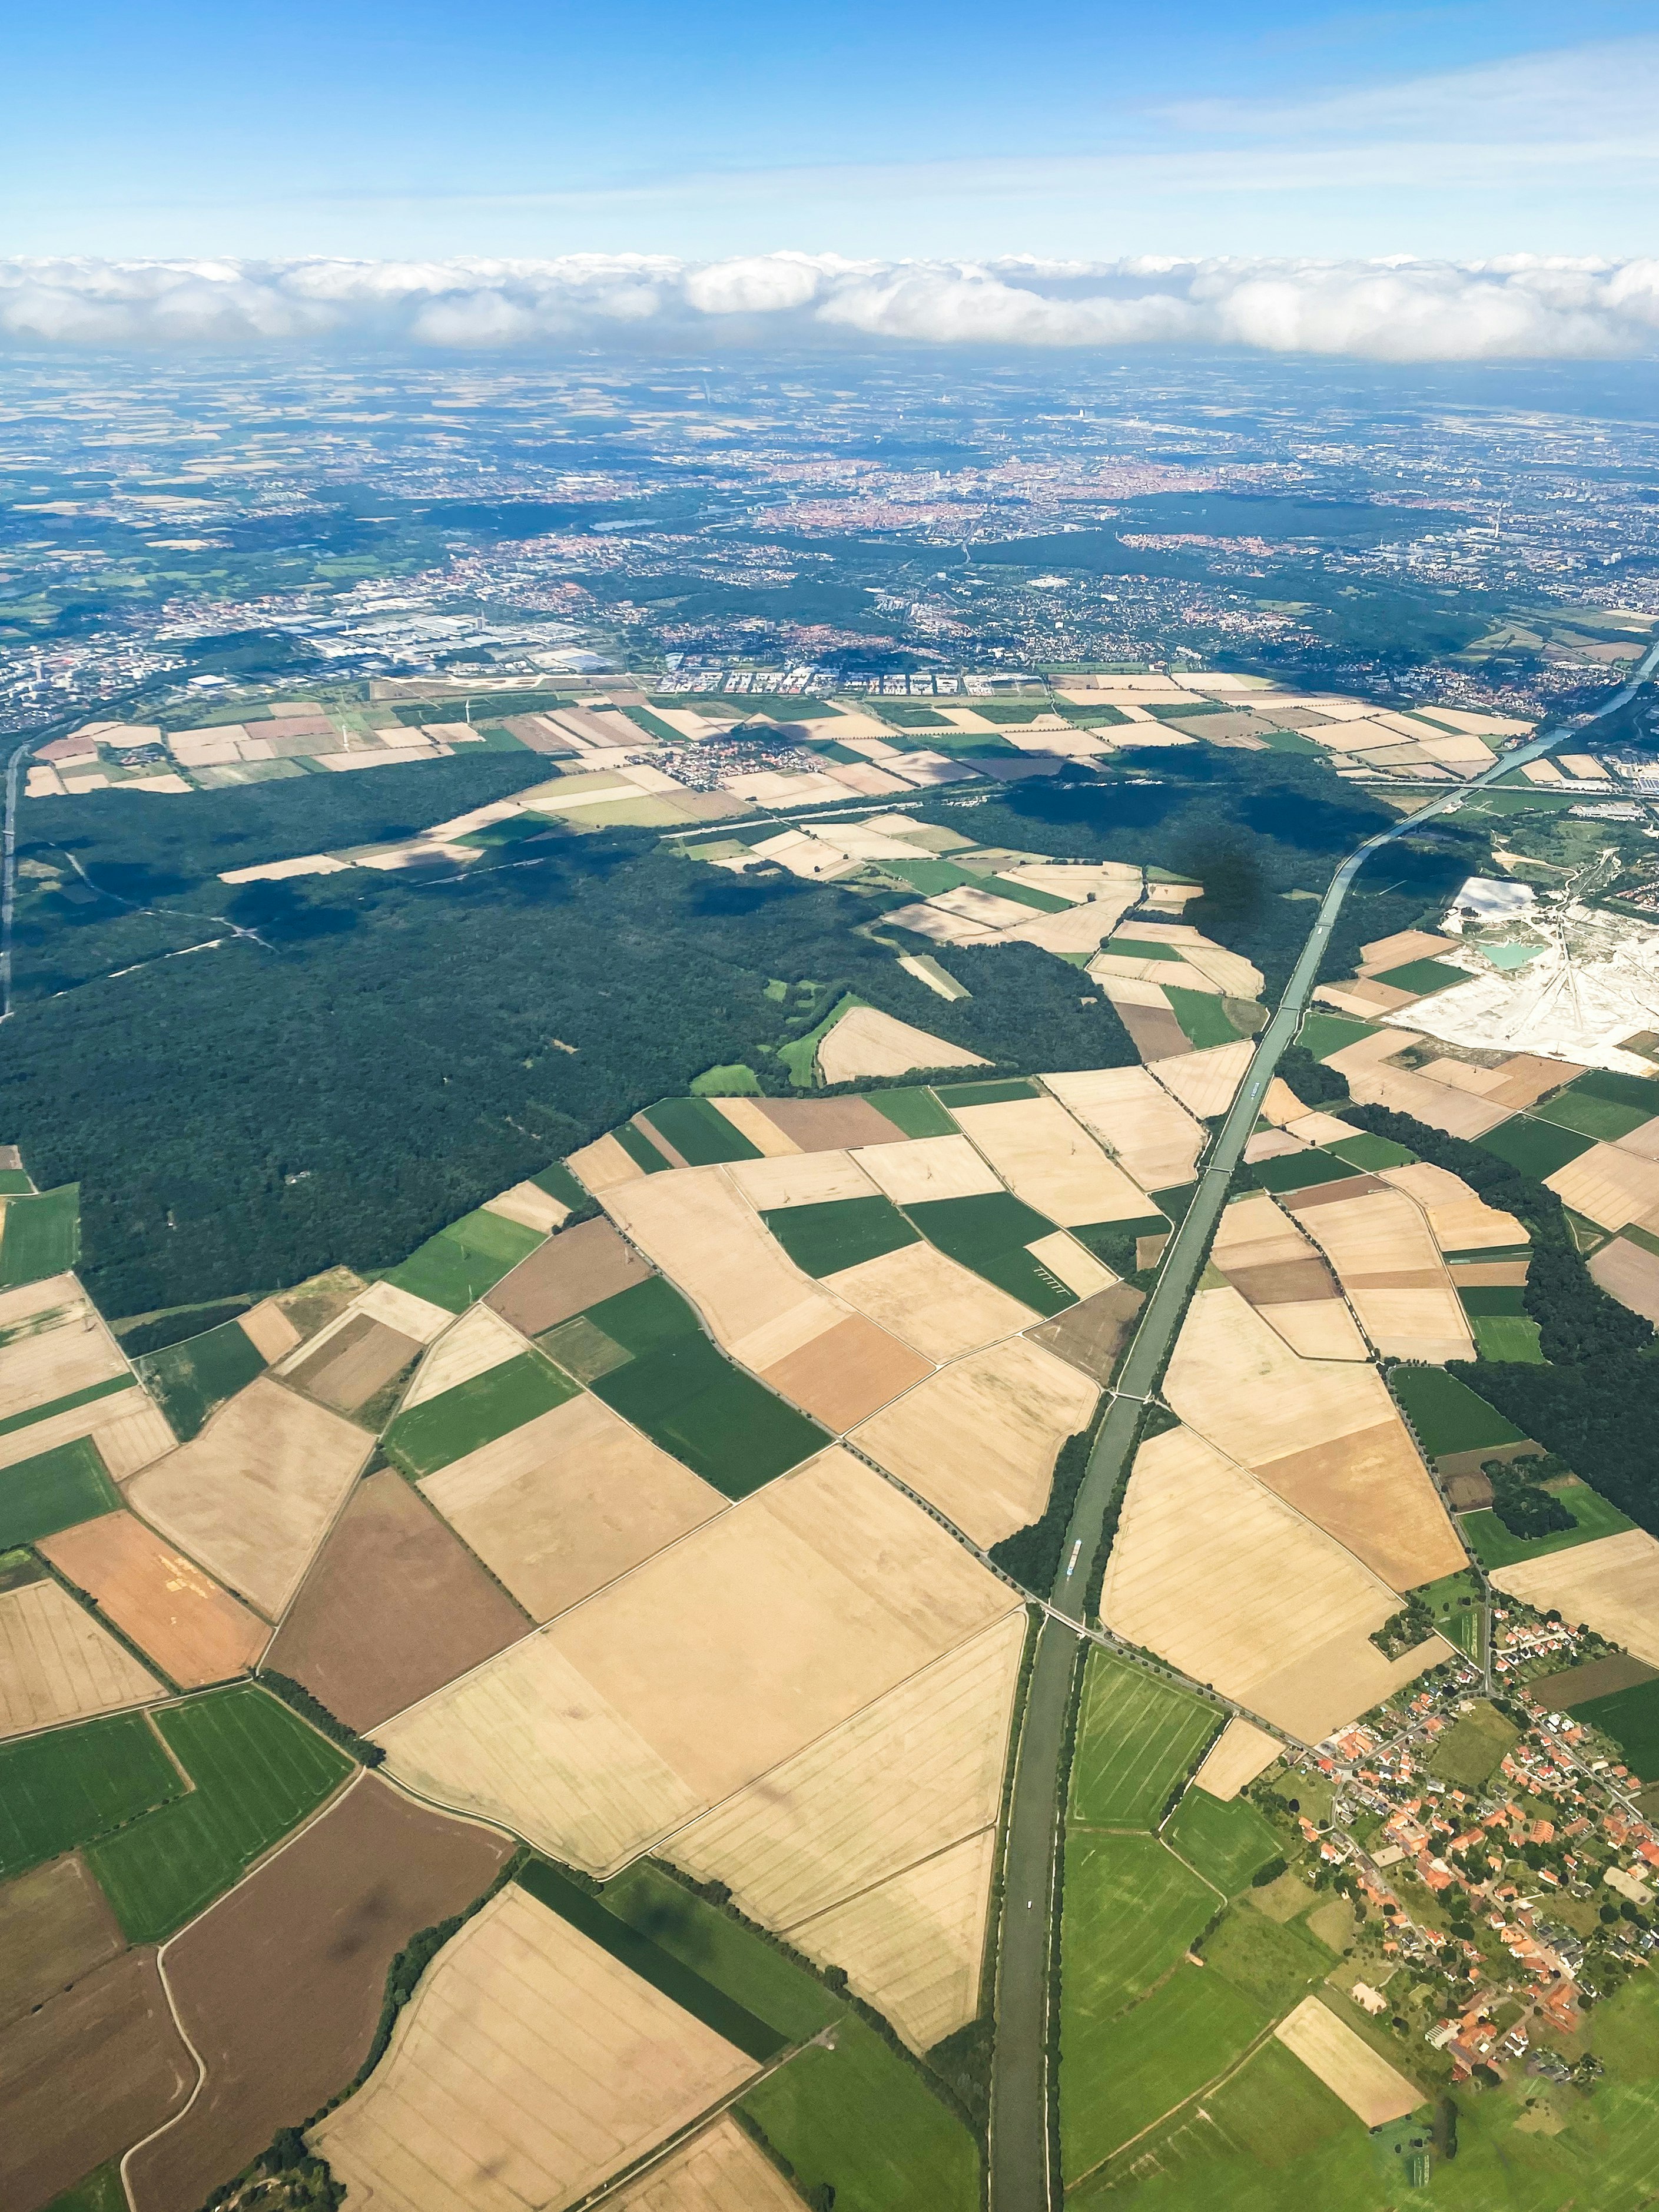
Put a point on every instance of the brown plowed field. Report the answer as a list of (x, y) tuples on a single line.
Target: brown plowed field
[(394, 1607), (1092, 1335), (575, 1269), (59, 1926), (826, 1125), (86, 2076), (1288, 1282), (280, 1985), (176, 1614), (1597, 1677), (348, 1367), (843, 1376), (1155, 1034)]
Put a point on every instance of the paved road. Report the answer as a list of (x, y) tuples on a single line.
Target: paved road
[(1020, 2087)]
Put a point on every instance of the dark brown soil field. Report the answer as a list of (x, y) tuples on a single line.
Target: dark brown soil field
[(58, 1927), (1282, 1282), (280, 1986), (179, 1616), (394, 1607), (356, 1361), (83, 2078), (825, 1125), (843, 1376), (1597, 1677), (1090, 1336), (575, 1269), (1470, 1462), (1330, 1193), (1468, 1493), (1156, 1035)]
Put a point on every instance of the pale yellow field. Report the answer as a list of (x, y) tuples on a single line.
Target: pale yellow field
[(1076, 1266), (719, 2171), (1108, 966), (866, 1043), (1239, 1753), (1080, 879), (61, 1344), (1280, 1104), (603, 1165), (1078, 929), (1050, 1161), (528, 2066), (1253, 1232), (1406, 944), (1317, 1328), (479, 1341), (566, 1504), (1372, 1082), (1391, 1269), (912, 1773), (132, 1433), (1205, 1082), (801, 1179), (697, 1228), (979, 1440), (399, 1310), (914, 1947), (1320, 1128), (1643, 1141), (269, 1330), (763, 1132), (57, 1662), (1239, 977), (1458, 1220), (926, 1168), (713, 1662), (529, 1205), (1612, 1584), (1219, 1576), (253, 1495), (1155, 1137), (1612, 1186), (930, 1302), (1347, 2065)]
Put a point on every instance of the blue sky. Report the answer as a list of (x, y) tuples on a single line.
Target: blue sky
[(927, 128)]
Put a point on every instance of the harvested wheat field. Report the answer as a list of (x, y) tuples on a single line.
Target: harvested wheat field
[(1073, 1262), (569, 1501), (1612, 1186), (313, 1932), (845, 1375), (828, 1125), (58, 1664), (926, 1167), (1317, 1328), (1051, 1162), (1272, 1265), (98, 2066), (479, 1341), (1373, 1082), (1325, 1435), (1390, 1268), (711, 1245), (528, 2066), (1458, 1220), (710, 1663), (748, 1118), (929, 1301), (1220, 1577), (393, 1607), (801, 1179), (719, 2171), (1092, 1335), (401, 1309), (253, 1496), (603, 1165), (914, 1773), (530, 1205), (866, 1043), (51, 1345), (58, 1927), (1347, 2065), (269, 1330), (1626, 1272), (1613, 1585), (196, 1633), (1206, 1083), (575, 1269), (350, 1365), (912, 1948), (979, 1440), (1152, 1135), (1239, 1753)]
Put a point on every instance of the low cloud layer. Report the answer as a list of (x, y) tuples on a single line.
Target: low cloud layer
[(1397, 310)]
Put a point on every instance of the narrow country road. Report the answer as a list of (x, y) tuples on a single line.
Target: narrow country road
[(1021, 2087)]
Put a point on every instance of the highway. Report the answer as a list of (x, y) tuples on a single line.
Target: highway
[(1021, 2089)]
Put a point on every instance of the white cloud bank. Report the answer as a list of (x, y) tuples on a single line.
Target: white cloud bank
[(1399, 309)]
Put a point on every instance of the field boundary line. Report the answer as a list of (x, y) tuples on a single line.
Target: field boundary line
[(852, 1896), (1204, 2089)]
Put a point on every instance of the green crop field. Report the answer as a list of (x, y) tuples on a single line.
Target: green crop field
[(444, 1428), (1603, 1118), (13, 1183), (1507, 1336), (1455, 1601), (1130, 1909), (1138, 1739), (463, 1261), (1370, 1153), (1631, 1718), (840, 1232), (1023, 894), (640, 1150), (917, 1111), (40, 1235), (66, 1404), (1537, 1148), (699, 1133), (989, 1234), (190, 1379), (76, 1784), (1494, 1546), (1226, 1843), (1202, 1016), (987, 1094), (751, 1971), (1640, 1091), (736, 1080), (101, 2191), (1422, 976), (1323, 1034), (1447, 1414), (1273, 1963), (53, 1490), (558, 1182), (1472, 1749), (1142, 948), (1117, 2077), (1300, 1170), (929, 878), (257, 1769)]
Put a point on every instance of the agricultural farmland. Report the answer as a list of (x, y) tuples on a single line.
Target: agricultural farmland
[(1137, 1741), (193, 1629)]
